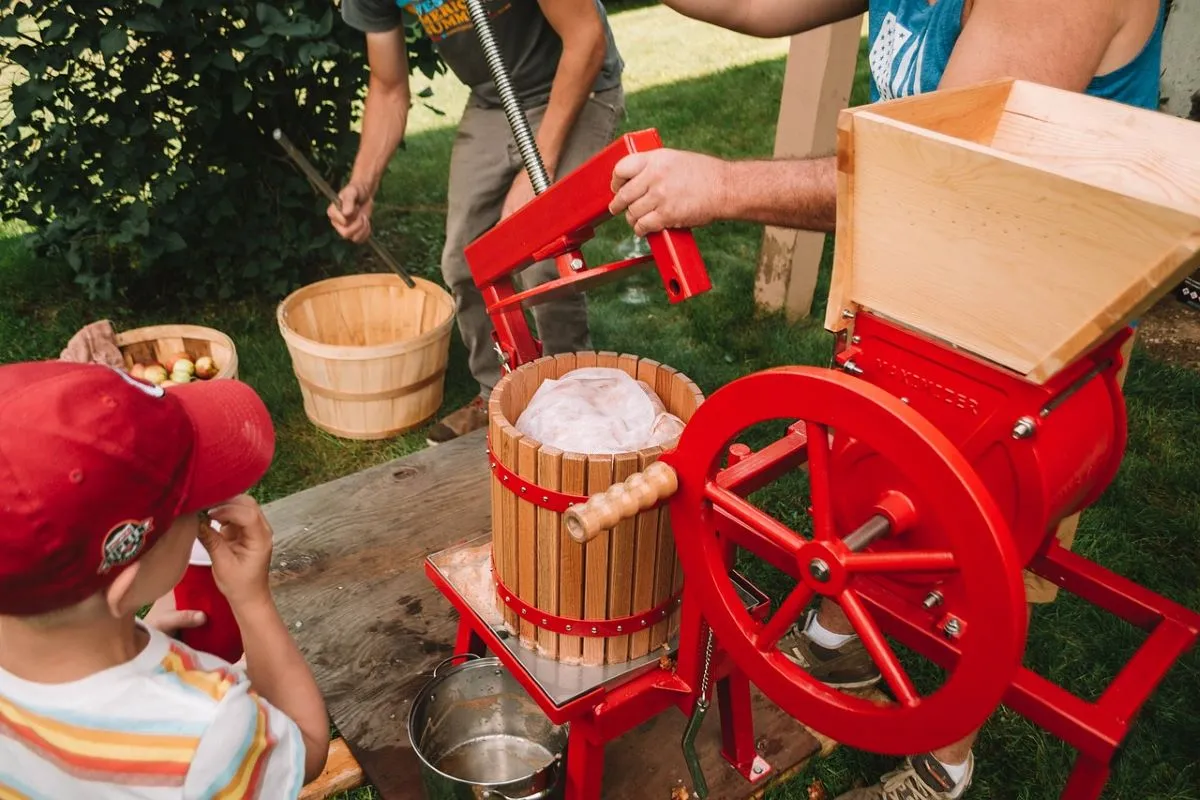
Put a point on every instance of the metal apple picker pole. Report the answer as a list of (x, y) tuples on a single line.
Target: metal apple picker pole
[(323, 186)]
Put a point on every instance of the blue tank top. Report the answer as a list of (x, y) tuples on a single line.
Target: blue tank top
[(911, 42)]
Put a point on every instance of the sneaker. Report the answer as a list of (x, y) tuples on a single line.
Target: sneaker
[(847, 667), (921, 778), (470, 417)]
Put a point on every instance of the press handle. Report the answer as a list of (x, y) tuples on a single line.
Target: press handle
[(621, 501)]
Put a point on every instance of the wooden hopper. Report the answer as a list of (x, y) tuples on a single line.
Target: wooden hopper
[(1020, 223)]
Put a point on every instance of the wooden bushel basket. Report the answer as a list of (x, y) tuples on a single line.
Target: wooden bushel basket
[(159, 342), (1020, 223), (368, 352), (628, 571)]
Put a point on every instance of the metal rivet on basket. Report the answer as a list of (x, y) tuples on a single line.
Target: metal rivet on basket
[(643, 623), (619, 629), (507, 599), (545, 498), (522, 490), (505, 479), (594, 629), (568, 627), (524, 611), (545, 621)]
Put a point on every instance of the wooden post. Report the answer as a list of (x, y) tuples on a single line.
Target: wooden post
[(816, 87)]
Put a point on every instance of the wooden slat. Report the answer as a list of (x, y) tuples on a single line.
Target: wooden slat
[(496, 404), (571, 554), (665, 559), (527, 539), (510, 439), (572, 567), (645, 552), (622, 561), (596, 562), (549, 537), (341, 774)]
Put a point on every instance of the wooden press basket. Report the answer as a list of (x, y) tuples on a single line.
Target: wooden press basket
[(159, 342), (629, 573), (1020, 223)]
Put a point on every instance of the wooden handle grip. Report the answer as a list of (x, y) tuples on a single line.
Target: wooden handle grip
[(621, 501)]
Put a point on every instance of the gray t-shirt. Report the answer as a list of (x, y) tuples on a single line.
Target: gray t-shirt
[(528, 43)]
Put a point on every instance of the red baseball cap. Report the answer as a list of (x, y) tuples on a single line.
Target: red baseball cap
[(95, 464)]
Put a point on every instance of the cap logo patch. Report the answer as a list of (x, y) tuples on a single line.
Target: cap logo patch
[(149, 388), (123, 543)]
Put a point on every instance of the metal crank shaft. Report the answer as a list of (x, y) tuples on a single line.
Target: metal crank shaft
[(517, 120), (869, 531)]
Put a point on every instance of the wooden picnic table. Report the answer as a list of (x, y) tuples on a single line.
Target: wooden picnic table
[(348, 577)]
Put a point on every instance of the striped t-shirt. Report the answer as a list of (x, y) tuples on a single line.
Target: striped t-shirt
[(171, 723)]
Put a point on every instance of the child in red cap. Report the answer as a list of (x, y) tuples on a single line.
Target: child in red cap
[(104, 484)]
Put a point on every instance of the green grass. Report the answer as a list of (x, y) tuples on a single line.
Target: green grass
[(1144, 526)]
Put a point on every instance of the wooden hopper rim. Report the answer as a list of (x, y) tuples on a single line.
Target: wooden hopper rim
[(152, 333)]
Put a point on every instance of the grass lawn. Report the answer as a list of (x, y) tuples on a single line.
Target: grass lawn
[(1144, 526)]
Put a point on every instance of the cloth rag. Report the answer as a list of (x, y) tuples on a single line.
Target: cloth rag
[(95, 343)]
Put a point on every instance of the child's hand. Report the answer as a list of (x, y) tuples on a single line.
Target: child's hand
[(241, 551)]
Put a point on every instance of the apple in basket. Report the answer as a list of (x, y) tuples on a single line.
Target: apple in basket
[(205, 368), (155, 373)]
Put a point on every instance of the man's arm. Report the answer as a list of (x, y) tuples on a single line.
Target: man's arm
[(1060, 45), (385, 118), (578, 24), (769, 19)]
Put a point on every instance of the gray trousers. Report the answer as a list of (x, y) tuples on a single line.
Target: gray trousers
[(483, 165)]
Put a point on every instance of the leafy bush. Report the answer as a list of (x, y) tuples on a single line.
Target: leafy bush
[(138, 139)]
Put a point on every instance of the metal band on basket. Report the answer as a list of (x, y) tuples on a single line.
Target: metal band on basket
[(540, 496), (589, 628)]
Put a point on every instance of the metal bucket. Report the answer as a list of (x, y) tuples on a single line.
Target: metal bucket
[(481, 737)]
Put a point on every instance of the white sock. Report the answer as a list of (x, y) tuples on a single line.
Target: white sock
[(957, 773), (827, 639)]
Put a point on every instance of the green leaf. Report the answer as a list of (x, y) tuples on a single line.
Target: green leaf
[(224, 60), (145, 23), (154, 3), (113, 41), (9, 26), (174, 243), (240, 99), (269, 15), (138, 127), (257, 41)]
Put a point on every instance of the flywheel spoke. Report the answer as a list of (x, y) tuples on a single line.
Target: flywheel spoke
[(820, 491), (901, 561), (877, 646), (783, 619)]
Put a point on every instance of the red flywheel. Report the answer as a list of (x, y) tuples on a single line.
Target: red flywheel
[(942, 525)]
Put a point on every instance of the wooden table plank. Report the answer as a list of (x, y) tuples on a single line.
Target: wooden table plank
[(348, 578)]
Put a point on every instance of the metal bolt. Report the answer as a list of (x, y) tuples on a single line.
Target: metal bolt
[(932, 600), (576, 264), (953, 628), (847, 314), (594, 629), (758, 769), (545, 498), (522, 490), (643, 623), (818, 569), (504, 479), (618, 629), (568, 627), (545, 621), (524, 611), (1024, 428), (904, 400), (852, 368), (855, 339)]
